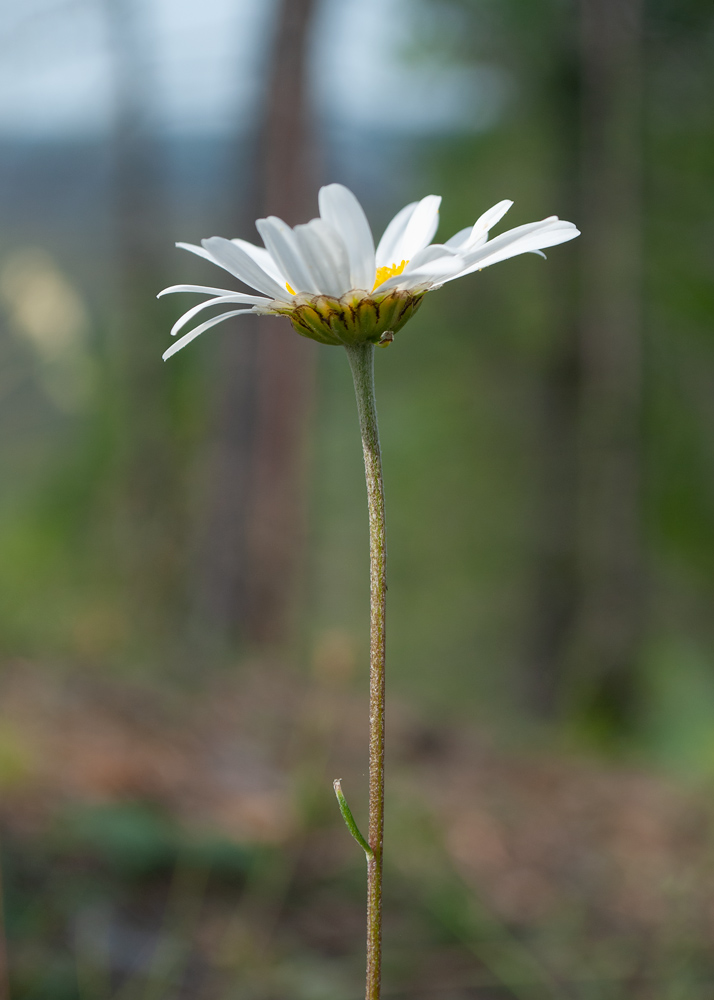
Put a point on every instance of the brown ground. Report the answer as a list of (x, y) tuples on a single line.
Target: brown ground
[(513, 874)]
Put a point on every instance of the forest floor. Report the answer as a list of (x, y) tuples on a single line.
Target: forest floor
[(182, 842)]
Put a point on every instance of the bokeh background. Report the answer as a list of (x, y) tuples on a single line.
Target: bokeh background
[(183, 546)]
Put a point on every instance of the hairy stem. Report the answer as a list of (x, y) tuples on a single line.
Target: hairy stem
[(361, 358)]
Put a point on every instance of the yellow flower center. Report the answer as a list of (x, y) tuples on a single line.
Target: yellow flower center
[(383, 273), (389, 271)]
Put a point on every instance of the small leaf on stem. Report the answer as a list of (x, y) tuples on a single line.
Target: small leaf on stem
[(350, 820)]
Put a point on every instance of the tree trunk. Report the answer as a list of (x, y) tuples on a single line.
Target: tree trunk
[(555, 583), (146, 470), (251, 552), (612, 584), (285, 361)]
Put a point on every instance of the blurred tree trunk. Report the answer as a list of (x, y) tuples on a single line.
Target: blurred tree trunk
[(285, 361), (555, 578), (612, 580), (143, 388), (588, 586), (251, 553), (555, 573)]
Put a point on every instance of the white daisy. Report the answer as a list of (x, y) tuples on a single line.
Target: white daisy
[(327, 277)]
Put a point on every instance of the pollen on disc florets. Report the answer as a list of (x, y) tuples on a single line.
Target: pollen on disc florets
[(355, 318), (383, 274), (388, 271)]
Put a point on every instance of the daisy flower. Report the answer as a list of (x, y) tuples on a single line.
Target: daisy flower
[(329, 280)]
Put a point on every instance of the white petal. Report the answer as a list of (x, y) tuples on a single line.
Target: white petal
[(493, 215), (459, 239), (432, 265), (420, 229), (488, 220), (478, 233), (285, 251), (262, 258), (187, 338), (205, 289), (436, 251), (234, 259), (408, 282), (340, 209), (199, 251), (237, 297), (392, 234), (412, 229), (325, 256), (524, 239)]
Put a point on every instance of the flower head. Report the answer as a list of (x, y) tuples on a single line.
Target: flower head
[(329, 280)]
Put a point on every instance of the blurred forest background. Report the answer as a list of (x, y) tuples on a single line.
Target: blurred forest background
[(183, 546)]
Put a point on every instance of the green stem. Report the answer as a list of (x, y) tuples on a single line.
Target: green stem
[(361, 358)]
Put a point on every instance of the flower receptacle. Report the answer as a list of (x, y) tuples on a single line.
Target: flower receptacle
[(356, 318)]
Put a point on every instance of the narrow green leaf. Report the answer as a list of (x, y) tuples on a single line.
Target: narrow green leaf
[(350, 820)]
